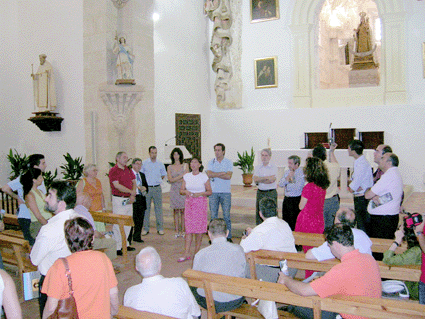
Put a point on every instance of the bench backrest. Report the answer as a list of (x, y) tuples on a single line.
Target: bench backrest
[(298, 261), (361, 306), (130, 313), (8, 203), (110, 218)]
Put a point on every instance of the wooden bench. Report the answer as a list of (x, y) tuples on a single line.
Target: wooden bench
[(360, 306), (8, 203), (298, 261), (379, 245), (14, 251), (121, 221), (130, 313)]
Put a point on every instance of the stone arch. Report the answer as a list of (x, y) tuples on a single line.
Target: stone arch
[(392, 89)]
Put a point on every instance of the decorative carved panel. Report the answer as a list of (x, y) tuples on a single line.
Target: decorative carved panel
[(371, 139), (343, 136), (312, 139), (188, 132)]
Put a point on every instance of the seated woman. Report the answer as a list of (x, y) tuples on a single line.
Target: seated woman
[(34, 199), (412, 256), (92, 274)]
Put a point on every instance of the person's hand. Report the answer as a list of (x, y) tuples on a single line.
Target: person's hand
[(376, 200), (399, 234), (333, 147), (282, 278), (20, 201), (132, 199), (248, 231)]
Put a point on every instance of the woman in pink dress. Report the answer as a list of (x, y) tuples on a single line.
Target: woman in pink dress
[(310, 219), (196, 187)]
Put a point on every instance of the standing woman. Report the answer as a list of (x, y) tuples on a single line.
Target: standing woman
[(310, 219), (91, 185), (175, 173), (196, 186), (34, 199)]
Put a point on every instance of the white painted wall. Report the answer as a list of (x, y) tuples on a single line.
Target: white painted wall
[(31, 28)]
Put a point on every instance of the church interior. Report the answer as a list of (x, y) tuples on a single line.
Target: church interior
[(178, 71)]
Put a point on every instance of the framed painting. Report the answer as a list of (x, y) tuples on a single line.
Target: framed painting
[(265, 70), (264, 10)]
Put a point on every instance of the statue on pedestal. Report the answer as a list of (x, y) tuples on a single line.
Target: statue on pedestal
[(44, 86), (364, 48), (125, 59)]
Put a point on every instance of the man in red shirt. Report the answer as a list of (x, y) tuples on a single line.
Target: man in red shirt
[(123, 188), (356, 275)]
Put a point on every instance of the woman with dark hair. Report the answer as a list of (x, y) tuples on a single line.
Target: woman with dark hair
[(34, 199), (412, 256), (310, 219), (92, 274), (196, 187), (175, 173)]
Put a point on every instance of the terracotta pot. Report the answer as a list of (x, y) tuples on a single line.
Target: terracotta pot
[(247, 180)]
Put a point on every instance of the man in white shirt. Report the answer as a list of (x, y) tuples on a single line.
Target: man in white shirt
[(362, 179), (272, 234), (385, 198), (166, 296), (362, 241), (50, 243), (265, 178)]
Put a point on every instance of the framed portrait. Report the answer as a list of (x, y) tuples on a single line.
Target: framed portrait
[(265, 70), (264, 10)]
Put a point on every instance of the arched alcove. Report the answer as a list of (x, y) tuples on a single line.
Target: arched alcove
[(392, 88)]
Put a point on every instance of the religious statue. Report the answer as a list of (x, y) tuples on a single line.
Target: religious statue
[(364, 48), (125, 59), (44, 86)]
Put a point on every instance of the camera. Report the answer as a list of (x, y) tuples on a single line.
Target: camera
[(413, 220)]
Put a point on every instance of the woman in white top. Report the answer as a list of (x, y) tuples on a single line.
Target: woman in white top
[(196, 187)]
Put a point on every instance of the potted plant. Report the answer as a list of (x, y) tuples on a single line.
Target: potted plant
[(49, 177), (73, 169), (18, 164), (246, 164)]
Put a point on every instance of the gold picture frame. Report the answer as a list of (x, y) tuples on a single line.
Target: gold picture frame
[(265, 70), (264, 10)]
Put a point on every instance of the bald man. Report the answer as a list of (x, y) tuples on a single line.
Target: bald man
[(362, 241), (377, 156)]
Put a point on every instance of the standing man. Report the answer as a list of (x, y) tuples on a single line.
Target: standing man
[(123, 188), (377, 156), (220, 172), (155, 173), (385, 198), (362, 179), (293, 181), (50, 243), (139, 206), (334, 170), (24, 215), (265, 178)]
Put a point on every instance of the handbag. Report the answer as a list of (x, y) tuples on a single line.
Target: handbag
[(67, 308)]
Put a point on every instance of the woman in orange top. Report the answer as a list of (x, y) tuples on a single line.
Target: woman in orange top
[(91, 185)]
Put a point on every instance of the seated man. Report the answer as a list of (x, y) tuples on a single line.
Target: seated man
[(223, 258), (165, 296), (100, 242), (362, 241), (272, 234), (356, 275)]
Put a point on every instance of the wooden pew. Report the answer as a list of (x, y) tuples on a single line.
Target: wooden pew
[(121, 220), (360, 306), (379, 245), (298, 261), (9, 204), (130, 313), (14, 251)]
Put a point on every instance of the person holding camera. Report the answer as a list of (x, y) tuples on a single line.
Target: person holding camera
[(412, 256)]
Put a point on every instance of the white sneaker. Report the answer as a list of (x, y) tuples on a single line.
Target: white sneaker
[(144, 232), (160, 232)]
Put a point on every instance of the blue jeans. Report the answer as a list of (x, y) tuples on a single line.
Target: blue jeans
[(155, 195), (422, 293), (225, 199), (219, 306)]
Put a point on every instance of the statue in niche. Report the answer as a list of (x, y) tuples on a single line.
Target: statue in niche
[(364, 48), (44, 86), (219, 12), (125, 59)]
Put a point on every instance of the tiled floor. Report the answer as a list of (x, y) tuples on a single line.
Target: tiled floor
[(170, 248)]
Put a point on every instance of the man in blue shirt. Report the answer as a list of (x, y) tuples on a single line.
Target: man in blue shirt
[(220, 172), (154, 171)]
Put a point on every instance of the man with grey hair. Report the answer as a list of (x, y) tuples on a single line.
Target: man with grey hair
[(210, 259), (293, 182), (377, 156), (165, 296), (139, 206), (265, 177)]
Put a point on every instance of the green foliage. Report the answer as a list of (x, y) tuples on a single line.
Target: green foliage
[(246, 161), (49, 177), (18, 164), (73, 169)]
